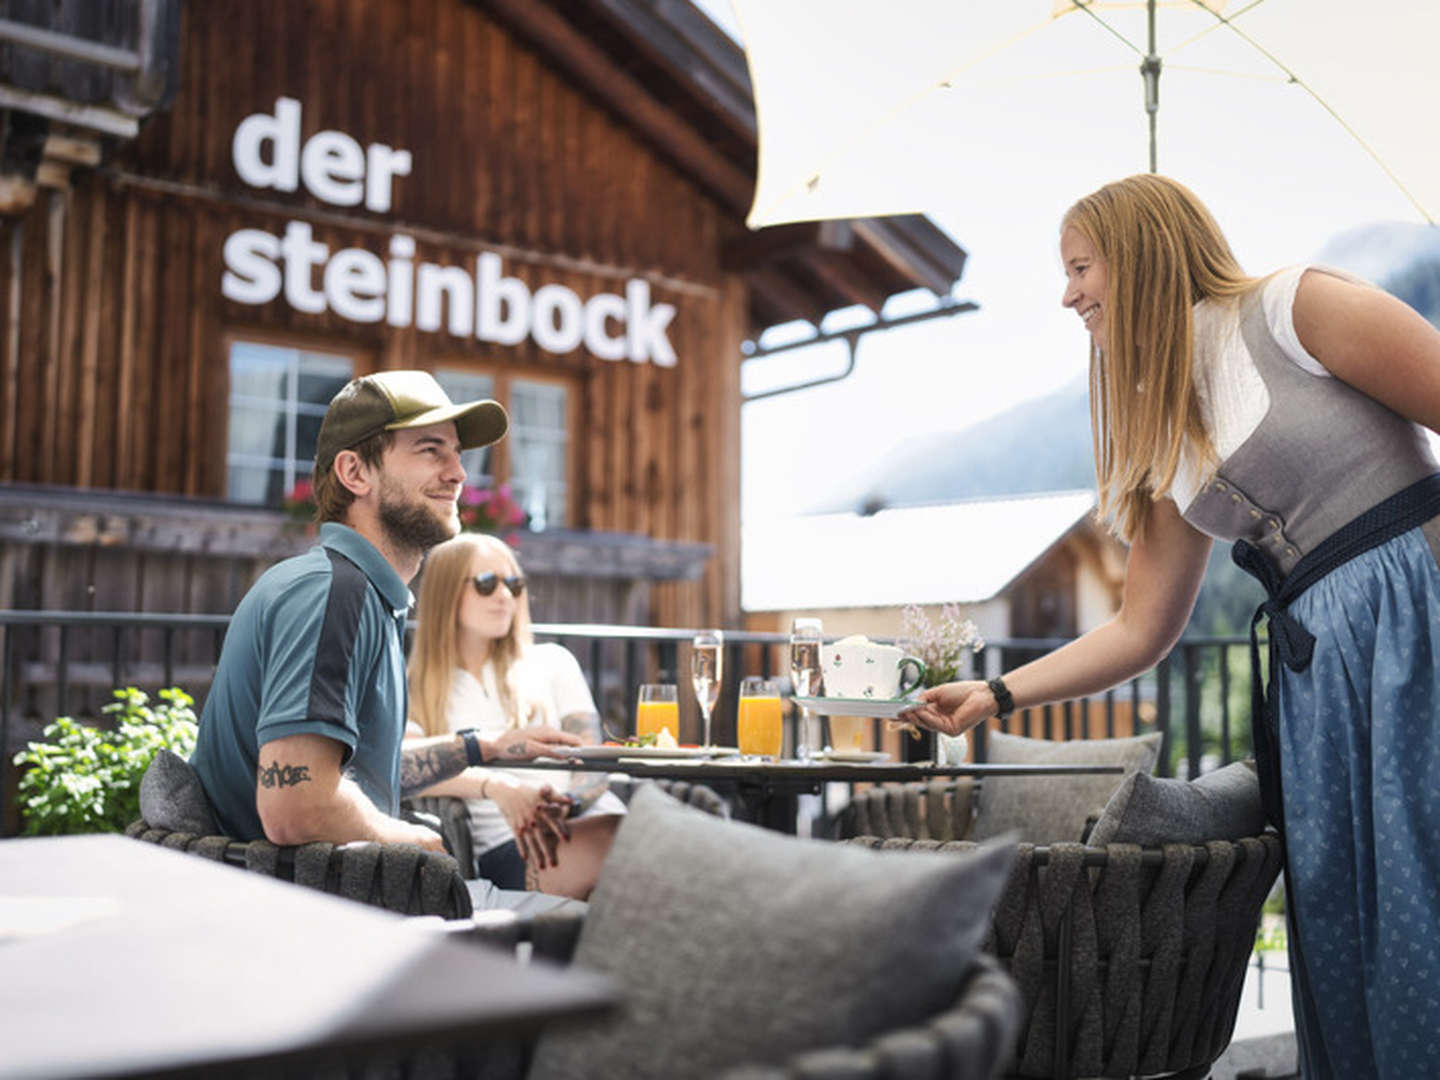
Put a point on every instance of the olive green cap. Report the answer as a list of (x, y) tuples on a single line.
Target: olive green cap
[(390, 400)]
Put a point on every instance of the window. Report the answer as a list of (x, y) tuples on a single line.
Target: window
[(468, 386), (534, 458), (278, 397)]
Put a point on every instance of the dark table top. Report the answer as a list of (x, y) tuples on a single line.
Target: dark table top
[(171, 961), (789, 772)]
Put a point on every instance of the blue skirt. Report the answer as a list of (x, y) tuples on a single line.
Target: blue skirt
[(1360, 766)]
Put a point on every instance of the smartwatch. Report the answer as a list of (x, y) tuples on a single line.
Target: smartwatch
[(1004, 703), (474, 755)]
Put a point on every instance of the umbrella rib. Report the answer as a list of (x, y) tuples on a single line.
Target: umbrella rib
[(1303, 85), (1084, 5), (1218, 25)]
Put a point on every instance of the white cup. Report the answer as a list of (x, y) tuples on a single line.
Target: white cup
[(856, 667)]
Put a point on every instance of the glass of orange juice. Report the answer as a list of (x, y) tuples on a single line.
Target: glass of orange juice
[(657, 709), (759, 724)]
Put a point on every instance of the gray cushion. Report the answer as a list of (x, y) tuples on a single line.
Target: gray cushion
[(1050, 809), (733, 944), (1219, 805), (171, 797)]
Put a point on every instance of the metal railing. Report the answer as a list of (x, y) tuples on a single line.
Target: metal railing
[(56, 663)]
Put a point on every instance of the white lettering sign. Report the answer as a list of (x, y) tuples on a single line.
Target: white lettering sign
[(359, 286)]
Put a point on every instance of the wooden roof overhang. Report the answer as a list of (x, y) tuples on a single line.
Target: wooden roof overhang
[(663, 68)]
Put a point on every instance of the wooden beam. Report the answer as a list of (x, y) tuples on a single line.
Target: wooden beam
[(892, 246), (843, 276), (776, 292), (72, 149), (610, 85), (752, 250)]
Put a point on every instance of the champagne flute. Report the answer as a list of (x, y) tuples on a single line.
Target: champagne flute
[(805, 638), (707, 666)]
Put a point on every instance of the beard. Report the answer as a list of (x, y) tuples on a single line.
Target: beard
[(414, 525)]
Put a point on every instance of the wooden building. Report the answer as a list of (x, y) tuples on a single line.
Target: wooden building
[(538, 200)]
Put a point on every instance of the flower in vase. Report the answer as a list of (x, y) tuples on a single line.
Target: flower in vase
[(940, 643)]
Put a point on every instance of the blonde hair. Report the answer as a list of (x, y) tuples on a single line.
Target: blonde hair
[(435, 654), (1163, 254)]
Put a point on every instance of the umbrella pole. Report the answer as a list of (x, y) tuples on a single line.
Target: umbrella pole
[(1150, 71)]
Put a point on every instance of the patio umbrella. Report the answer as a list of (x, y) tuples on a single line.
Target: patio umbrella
[(1266, 108)]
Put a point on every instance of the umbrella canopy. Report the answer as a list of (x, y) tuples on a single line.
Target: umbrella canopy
[(1266, 108)]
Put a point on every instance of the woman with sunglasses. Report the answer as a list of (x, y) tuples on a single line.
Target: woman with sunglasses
[(474, 665)]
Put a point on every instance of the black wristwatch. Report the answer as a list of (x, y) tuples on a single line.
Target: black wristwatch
[(1004, 703), (474, 755)]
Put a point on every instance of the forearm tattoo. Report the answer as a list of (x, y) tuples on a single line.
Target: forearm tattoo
[(422, 766), (278, 775), (581, 723)]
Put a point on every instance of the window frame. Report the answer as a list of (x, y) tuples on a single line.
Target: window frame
[(501, 377), (362, 361)]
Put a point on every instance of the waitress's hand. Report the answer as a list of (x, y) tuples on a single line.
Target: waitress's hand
[(951, 708)]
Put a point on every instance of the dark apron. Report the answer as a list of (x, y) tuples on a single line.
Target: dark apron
[(1290, 643)]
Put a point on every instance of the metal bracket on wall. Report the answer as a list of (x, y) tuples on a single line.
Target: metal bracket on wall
[(851, 338)]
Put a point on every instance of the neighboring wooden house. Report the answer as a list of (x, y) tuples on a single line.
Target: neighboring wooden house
[(1023, 567)]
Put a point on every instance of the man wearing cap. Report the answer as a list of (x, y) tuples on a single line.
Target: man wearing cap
[(301, 736)]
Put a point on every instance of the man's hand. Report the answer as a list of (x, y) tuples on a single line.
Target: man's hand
[(407, 832), (524, 744), (952, 708)]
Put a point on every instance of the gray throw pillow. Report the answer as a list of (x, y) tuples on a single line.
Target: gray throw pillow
[(172, 797), (1219, 805), (1051, 809), (733, 944)]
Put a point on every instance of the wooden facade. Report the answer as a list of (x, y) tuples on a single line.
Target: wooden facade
[(114, 361)]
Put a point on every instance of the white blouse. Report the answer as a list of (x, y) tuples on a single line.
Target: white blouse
[(1233, 396)]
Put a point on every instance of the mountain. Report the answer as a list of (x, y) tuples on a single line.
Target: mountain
[(1402, 259), (1042, 445)]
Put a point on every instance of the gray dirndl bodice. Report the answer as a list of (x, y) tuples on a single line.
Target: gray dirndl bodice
[(1323, 454)]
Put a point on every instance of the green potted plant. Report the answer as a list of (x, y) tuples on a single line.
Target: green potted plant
[(83, 779)]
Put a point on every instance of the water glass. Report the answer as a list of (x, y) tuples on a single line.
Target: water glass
[(805, 639)]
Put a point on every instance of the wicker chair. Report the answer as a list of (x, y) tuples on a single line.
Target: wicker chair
[(938, 810), (398, 877), (1131, 961), (970, 1039)]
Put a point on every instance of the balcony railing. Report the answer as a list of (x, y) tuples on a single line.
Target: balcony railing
[(65, 663)]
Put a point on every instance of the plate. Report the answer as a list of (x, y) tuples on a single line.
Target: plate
[(881, 709), (853, 756), (615, 753)]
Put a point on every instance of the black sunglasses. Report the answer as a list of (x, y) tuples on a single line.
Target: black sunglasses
[(486, 583)]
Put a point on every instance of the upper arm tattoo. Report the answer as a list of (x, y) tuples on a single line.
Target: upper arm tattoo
[(424, 765), (278, 775)]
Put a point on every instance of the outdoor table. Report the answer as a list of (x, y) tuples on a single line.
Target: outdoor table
[(154, 961), (768, 789)]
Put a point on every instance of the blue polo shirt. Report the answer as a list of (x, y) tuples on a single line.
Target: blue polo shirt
[(316, 647)]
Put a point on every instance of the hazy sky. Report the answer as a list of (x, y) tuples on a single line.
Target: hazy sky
[(948, 374)]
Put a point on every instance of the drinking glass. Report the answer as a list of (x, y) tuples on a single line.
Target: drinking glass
[(657, 709), (707, 664), (759, 724), (805, 639)]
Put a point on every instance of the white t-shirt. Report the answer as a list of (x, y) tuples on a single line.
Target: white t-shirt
[(549, 686)]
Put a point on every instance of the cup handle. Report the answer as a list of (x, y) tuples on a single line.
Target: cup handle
[(919, 665)]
